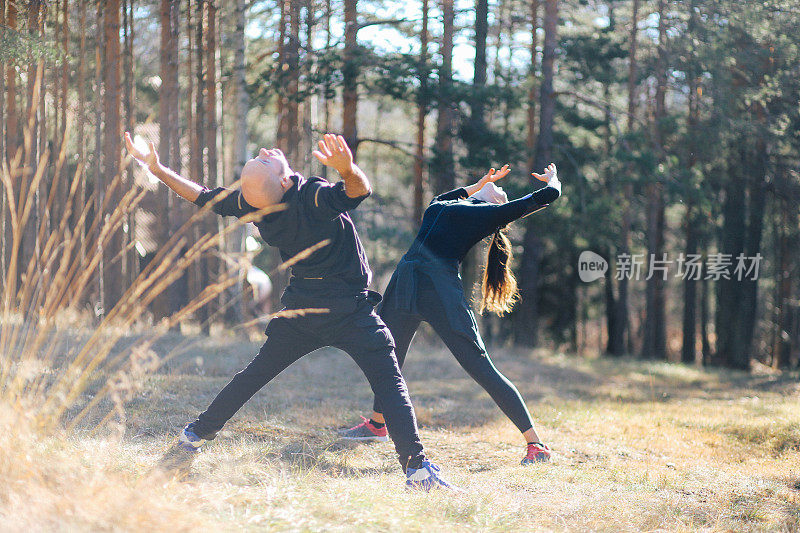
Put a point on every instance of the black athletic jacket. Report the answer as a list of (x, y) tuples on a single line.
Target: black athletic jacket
[(452, 224), (312, 213)]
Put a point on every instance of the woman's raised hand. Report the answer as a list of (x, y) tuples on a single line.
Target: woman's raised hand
[(493, 175), (149, 159), (549, 173)]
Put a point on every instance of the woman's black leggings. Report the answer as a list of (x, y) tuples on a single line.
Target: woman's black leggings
[(474, 360)]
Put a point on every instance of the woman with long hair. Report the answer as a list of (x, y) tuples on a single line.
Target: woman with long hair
[(426, 285)]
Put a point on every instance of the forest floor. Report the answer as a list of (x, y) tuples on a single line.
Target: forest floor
[(638, 446)]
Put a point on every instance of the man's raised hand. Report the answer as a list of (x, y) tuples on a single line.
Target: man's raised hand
[(149, 159), (334, 152)]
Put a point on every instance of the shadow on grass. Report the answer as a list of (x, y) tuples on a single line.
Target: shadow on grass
[(314, 456), (175, 463)]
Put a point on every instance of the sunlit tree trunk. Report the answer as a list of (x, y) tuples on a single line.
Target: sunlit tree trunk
[(476, 130), (4, 213), (202, 267), (96, 185), (442, 167), (240, 108), (530, 140), (12, 117), (168, 206), (422, 111), (113, 274), (34, 124), (131, 264), (526, 317), (350, 72)]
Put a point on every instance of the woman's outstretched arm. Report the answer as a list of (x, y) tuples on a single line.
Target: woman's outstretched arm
[(494, 216)]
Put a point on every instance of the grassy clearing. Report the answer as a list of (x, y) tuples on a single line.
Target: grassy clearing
[(638, 446)]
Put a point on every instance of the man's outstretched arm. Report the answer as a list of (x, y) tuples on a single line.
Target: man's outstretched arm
[(334, 152), (184, 188)]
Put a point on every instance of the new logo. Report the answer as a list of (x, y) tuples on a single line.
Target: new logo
[(591, 266)]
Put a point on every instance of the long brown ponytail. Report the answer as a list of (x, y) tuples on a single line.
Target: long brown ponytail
[(499, 291)]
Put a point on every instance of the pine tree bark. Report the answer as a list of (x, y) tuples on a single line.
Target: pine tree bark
[(442, 168), (12, 120), (113, 274), (240, 108), (169, 142), (5, 221), (755, 225), (202, 268), (654, 344), (32, 141), (130, 261), (527, 315), (530, 140), (476, 134), (619, 346), (350, 72), (688, 351), (781, 349), (729, 295), (422, 111)]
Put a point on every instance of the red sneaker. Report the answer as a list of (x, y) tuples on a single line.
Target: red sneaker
[(365, 431), (537, 453)]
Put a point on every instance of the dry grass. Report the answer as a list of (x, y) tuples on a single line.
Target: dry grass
[(639, 447)]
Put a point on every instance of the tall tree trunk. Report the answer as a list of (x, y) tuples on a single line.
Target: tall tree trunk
[(288, 132), (131, 263), (113, 275), (293, 85), (12, 120), (688, 351), (169, 300), (706, 354), (97, 160), (729, 295), (530, 141), (475, 133), (781, 348), (201, 273), (81, 125), (478, 156), (326, 85), (527, 315), (655, 341), (214, 265), (526, 319), (350, 72), (34, 134), (4, 210), (422, 111), (621, 314), (240, 108), (755, 223), (281, 100), (442, 168)]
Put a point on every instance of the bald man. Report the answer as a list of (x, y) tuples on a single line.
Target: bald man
[(311, 214)]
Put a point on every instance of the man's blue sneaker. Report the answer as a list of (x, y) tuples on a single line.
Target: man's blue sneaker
[(189, 441), (426, 477)]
